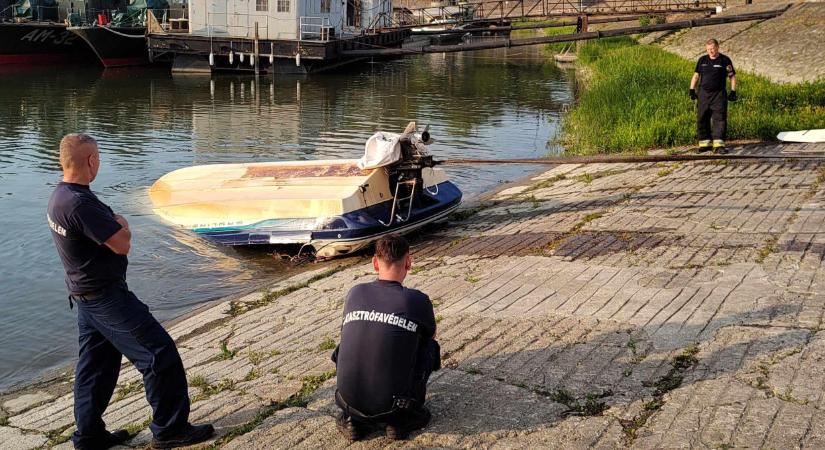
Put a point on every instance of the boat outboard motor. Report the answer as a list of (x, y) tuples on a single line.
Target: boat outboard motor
[(406, 180)]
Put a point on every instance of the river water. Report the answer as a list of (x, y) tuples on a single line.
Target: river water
[(499, 103)]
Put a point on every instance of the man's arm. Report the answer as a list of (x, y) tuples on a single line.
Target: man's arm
[(428, 317), (120, 242), (101, 226), (733, 82), (694, 81)]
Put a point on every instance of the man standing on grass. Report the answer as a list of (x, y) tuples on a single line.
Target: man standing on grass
[(93, 242), (387, 350), (712, 110)]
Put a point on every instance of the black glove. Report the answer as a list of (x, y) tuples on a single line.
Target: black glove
[(692, 94), (732, 96)]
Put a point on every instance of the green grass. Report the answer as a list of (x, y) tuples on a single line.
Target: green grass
[(226, 353), (327, 344), (198, 381), (559, 47), (635, 98)]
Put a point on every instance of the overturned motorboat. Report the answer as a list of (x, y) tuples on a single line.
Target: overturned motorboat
[(334, 206)]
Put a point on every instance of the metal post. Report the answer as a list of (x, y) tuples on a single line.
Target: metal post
[(257, 69)]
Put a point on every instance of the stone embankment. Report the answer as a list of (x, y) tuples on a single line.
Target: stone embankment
[(599, 306), (786, 49)]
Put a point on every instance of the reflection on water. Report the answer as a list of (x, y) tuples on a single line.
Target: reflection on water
[(481, 105)]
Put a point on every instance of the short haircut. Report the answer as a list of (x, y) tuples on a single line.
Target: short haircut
[(391, 248), (712, 41), (69, 146)]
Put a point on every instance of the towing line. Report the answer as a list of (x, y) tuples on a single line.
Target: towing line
[(616, 159)]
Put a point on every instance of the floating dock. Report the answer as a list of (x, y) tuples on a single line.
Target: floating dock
[(191, 53)]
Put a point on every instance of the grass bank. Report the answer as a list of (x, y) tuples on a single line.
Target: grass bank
[(634, 97)]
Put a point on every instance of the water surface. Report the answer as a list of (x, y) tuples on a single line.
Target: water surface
[(501, 103)]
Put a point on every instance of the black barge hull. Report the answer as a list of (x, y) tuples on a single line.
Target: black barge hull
[(40, 43), (115, 46)]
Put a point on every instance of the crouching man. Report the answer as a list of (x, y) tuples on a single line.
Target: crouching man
[(387, 350)]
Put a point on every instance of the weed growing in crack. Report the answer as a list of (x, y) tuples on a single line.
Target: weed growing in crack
[(197, 381), (134, 428), (767, 249), (56, 437), (254, 357), (208, 390), (226, 353), (253, 374), (301, 399), (587, 406), (126, 389), (326, 344), (544, 184), (668, 382), (585, 178), (687, 358)]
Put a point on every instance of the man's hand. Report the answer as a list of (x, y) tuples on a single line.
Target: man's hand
[(732, 96), (692, 94), (122, 221)]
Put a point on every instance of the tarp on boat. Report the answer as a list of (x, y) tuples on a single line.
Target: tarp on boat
[(382, 149)]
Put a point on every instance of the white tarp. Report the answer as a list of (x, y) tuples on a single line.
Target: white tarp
[(382, 149)]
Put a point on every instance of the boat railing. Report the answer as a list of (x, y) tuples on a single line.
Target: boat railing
[(314, 28), (32, 13), (6, 13)]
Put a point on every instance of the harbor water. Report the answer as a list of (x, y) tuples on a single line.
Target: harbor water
[(491, 104)]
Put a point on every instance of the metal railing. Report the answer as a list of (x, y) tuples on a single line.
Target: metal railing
[(79, 16), (314, 28), (514, 9), (33, 13)]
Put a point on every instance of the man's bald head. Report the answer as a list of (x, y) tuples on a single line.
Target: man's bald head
[(79, 158), (75, 150)]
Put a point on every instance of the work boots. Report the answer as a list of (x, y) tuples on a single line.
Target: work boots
[(191, 435), (105, 441), (407, 421), (351, 430)]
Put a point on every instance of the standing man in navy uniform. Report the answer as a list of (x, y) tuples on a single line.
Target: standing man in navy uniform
[(712, 110), (93, 242), (387, 350)]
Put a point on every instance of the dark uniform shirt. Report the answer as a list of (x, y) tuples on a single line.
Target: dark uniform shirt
[(80, 225), (385, 327), (714, 72)]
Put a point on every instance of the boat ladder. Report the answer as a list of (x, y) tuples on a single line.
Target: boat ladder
[(396, 203)]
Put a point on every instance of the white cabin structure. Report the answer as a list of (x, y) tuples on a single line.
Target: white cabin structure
[(318, 20)]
